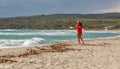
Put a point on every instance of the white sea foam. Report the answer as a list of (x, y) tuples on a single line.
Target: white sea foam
[(6, 29), (36, 32), (33, 41), (33, 33), (52, 32), (23, 42), (2, 33), (102, 31)]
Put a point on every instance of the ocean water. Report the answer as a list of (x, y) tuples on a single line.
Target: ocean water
[(18, 38)]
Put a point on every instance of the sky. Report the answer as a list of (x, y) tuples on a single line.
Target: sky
[(11, 8)]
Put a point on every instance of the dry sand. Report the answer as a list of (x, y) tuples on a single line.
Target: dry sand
[(94, 54)]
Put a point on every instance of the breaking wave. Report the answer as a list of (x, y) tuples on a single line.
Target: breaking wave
[(21, 42)]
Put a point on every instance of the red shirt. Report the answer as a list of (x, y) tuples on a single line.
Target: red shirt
[(78, 28)]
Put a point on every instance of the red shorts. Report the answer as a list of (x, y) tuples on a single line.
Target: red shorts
[(79, 30)]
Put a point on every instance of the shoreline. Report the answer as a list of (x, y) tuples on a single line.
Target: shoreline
[(58, 42)]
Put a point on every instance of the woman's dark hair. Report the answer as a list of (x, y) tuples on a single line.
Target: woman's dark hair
[(81, 24)]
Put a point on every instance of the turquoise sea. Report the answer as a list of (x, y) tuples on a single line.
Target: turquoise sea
[(18, 38)]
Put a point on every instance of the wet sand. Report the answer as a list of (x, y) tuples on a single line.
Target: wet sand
[(102, 53)]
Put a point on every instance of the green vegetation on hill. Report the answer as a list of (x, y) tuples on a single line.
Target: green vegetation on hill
[(62, 21)]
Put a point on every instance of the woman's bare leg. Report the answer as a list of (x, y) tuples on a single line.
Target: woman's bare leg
[(78, 39), (82, 40)]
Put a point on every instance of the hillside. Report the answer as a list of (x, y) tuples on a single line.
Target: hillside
[(62, 21)]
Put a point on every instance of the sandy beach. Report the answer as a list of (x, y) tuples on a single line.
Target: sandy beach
[(101, 53)]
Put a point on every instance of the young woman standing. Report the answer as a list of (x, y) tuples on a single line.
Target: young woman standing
[(79, 28)]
